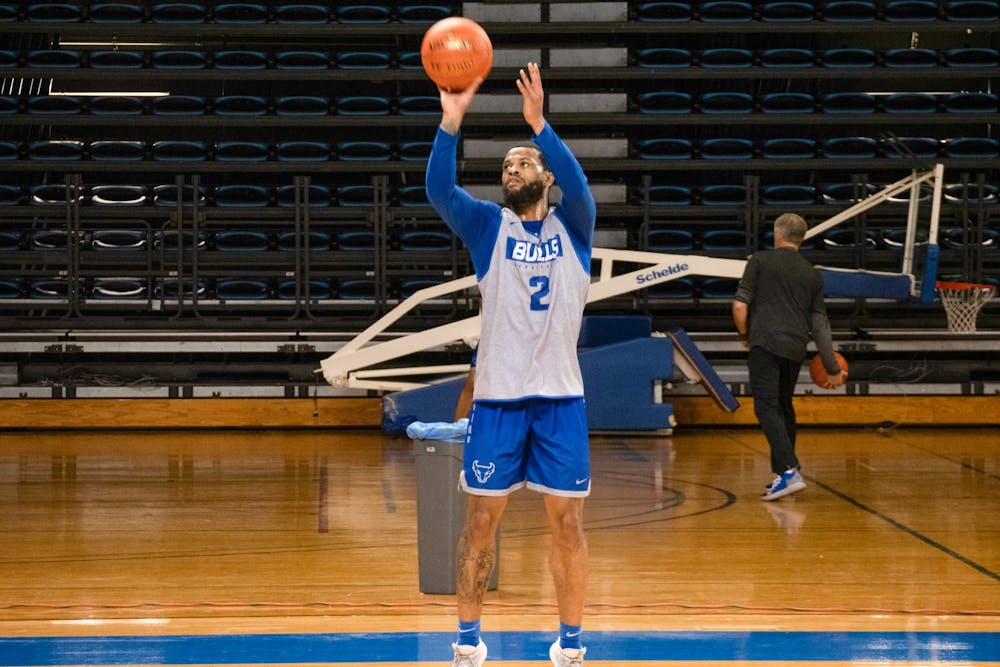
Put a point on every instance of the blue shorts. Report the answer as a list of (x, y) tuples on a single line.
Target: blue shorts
[(540, 443)]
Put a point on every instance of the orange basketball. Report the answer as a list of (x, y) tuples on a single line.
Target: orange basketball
[(455, 52), (818, 372)]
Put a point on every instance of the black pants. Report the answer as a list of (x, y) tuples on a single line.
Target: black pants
[(772, 383)]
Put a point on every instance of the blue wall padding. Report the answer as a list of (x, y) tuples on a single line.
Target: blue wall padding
[(851, 284), (605, 329), (617, 378), (618, 384)]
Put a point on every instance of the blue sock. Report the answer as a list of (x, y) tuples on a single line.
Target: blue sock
[(569, 636), (468, 633)]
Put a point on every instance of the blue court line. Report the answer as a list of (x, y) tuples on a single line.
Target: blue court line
[(923, 647)]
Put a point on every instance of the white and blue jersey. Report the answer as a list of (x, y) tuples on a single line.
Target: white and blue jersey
[(533, 277)]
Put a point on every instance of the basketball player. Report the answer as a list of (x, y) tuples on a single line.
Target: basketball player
[(528, 426), (778, 307)]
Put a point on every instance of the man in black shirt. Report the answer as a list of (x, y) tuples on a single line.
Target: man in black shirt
[(778, 308)]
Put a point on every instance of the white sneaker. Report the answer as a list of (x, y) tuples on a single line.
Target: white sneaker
[(560, 659), (469, 656)]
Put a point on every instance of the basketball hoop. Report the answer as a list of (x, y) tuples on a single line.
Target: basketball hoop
[(962, 303)]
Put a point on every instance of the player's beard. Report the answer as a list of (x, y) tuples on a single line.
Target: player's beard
[(524, 198)]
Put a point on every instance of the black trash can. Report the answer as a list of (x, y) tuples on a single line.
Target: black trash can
[(441, 516)]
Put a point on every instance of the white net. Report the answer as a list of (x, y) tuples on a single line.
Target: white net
[(962, 303)]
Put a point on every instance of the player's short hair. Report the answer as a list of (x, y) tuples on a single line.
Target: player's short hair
[(793, 227), (538, 154)]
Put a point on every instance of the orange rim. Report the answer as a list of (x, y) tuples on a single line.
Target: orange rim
[(952, 285)]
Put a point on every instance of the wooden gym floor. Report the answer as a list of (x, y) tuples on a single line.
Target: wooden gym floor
[(284, 547)]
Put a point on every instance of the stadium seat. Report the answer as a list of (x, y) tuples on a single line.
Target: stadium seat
[(239, 105), (798, 58), (848, 57), (115, 105), (670, 240), (48, 239), (725, 58), (318, 241), (302, 151), (11, 288), (55, 149), (319, 196), (733, 148), (242, 151), (54, 105), (911, 147), (409, 60), (177, 59), (240, 13), (360, 289), (957, 238), (924, 193), (8, 105), (838, 194), (911, 57), (670, 195), (168, 239), (364, 105), (419, 105), (972, 57), (363, 60), (847, 102), (718, 288), (10, 195), (847, 239), (11, 239), (850, 147), (425, 239), (789, 147), (115, 12), (119, 239), (788, 102), (726, 103), (956, 193), (422, 13), (302, 60), (664, 148), (178, 12), (302, 13), (48, 288), (179, 151), (173, 288), (785, 11), (664, 58), (242, 289), (363, 14), (910, 10), (723, 240), (313, 289), (9, 150), (725, 11), (242, 240), (240, 59), (8, 13), (168, 195), (972, 10), (788, 195), (302, 105), (53, 12), (355, 195), (971, 102), (414, 150), (242, 195), (119, 287), (412, 195), (116, 59), (53, 58), (895, 239), (9, 58), (664, 102), (723, 195), (364, 150), (664, 12), (849, 11), (985, 148), (356, 240), (52, 193), (119, 195), (910, 103)]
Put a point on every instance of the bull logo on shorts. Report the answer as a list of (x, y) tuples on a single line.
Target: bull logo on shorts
[(483, 472)]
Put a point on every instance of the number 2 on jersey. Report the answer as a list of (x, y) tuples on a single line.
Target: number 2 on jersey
[(541, 286)]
